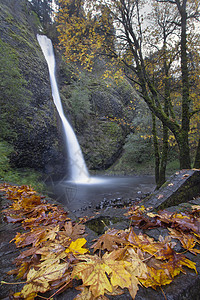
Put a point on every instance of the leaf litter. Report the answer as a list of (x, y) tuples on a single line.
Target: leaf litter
[(55, 253)]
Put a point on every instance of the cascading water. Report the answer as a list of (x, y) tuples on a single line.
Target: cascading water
[(78, 169)]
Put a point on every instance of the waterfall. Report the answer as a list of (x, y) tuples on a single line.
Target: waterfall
[(77, 166)]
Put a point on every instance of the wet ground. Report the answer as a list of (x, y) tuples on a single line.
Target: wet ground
[(84, 198)]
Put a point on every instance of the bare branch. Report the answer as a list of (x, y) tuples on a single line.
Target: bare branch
[(166, 1), (174, 22), (133, 80)]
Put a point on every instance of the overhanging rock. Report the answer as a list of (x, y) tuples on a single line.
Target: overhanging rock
[(183, 186)]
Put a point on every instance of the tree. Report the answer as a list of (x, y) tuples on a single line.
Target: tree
[(82, 41), (161, 31)]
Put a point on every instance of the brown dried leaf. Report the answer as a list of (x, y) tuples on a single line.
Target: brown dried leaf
[(74, 232), (109, 241)]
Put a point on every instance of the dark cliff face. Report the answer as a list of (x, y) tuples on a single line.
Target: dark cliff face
[(27, 108), (28, 115)]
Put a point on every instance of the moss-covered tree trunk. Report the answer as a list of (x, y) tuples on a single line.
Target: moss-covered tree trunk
[(165, 147), (163, 163), (156, 150), (183, 142), (184, 151)]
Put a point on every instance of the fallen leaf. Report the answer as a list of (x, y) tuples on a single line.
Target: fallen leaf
[(119, 276), (109, 241), (56, 249), (93, 273), (137, 268), (156, 277), (188, 241), (74, 232), (185, 175), (39, 280), (76, 247)]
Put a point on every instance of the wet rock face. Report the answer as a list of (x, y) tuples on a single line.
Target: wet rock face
[(102, 142), (37, 136), (107, 104)]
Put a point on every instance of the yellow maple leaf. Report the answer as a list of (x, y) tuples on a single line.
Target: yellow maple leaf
[(76, 247), (31, 296), (103, 275), (137, 268), (188, 241), (49, 270), (156, 277), (151, 215), (39, 280), (23, 269), (119, 276), (52, 232), (93, 273), (98, 280), (188, 263)]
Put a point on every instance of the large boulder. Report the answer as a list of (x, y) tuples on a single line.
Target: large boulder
[(180, 187)]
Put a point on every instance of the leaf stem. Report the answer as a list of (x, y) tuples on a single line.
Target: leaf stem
[(12, 283), (58, 291), (163, 293)]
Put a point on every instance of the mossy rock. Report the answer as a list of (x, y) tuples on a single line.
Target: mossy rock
[(102, 143)]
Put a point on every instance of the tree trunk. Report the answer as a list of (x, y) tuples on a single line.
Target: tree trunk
[(165, 146), (184, 155), (185, 162), (197, 157), (164, 157), (156, 150)]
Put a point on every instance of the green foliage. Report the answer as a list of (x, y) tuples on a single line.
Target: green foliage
[(173, 160), (17, 176), (12, 90), (172, 166), (80, 99), (5, 151), (76, 97), (9, 18), (137, 156), (43, 9), (36, 20), (137, 149), (11, 79)]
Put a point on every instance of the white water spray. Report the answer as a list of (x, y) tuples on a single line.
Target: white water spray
[(78, 169)]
